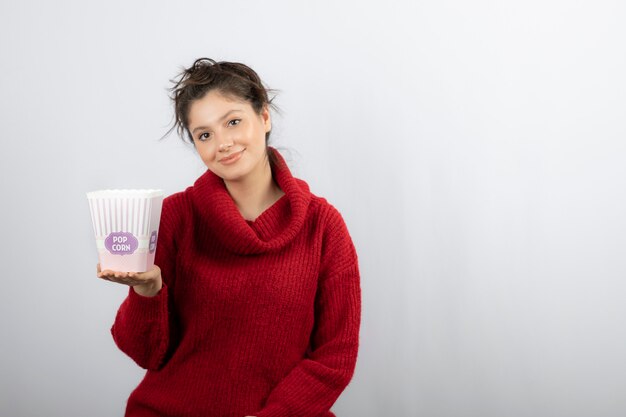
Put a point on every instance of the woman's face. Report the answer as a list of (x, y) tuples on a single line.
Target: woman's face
[(216, 121)]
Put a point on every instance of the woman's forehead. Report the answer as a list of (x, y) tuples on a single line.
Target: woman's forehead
[(213, 109), (218, 100)]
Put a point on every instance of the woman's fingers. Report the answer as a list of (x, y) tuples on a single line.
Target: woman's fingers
[(99, 272), (129, 278), (107, 273)]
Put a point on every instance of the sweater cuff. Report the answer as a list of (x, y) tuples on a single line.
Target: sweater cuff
[(147, 307)]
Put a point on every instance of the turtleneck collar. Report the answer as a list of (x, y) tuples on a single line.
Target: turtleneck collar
[(272, 230)]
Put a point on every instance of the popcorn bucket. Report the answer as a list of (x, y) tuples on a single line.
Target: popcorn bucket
[(126, 223)]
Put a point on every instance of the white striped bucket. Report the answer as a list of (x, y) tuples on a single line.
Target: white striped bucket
[(126, 227)]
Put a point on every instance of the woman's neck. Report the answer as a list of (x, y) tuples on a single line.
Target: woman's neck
[(256, 193)]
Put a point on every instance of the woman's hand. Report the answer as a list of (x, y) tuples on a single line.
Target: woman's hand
[(146, 283)]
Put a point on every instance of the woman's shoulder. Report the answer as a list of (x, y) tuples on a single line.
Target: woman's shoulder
[(178, 200), (320, 207), (328, 217), (338, 250), (176, 208)]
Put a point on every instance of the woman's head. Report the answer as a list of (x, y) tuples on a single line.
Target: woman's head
[(232, 81)]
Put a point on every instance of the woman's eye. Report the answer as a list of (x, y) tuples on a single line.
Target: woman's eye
[(234, 120), (203, 136)]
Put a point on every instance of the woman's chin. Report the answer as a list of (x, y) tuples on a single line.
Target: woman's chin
[(231, 176)]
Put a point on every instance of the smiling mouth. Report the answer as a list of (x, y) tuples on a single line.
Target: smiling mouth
[(231, 156)]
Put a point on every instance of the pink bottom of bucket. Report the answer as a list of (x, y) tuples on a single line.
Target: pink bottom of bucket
[(137, 262)]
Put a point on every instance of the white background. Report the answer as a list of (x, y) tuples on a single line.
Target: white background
[(476, 150)]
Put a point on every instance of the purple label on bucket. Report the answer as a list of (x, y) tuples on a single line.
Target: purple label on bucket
[(121, 243), (153, 241)]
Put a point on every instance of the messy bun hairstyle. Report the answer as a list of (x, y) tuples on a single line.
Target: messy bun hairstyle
[(232, 79)]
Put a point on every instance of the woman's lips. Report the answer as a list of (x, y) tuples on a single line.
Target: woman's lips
[(232, 158)]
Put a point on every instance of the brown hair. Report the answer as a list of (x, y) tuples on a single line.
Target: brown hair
[(229, 78)]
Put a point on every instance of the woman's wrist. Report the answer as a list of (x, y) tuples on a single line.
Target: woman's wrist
[(149, 289)]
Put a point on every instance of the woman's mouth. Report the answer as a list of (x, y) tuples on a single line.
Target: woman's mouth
[(231, 159)]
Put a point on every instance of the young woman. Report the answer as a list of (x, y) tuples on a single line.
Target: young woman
[(253, 307)]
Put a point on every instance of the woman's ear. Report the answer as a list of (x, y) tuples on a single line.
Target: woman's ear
[(267, 118)]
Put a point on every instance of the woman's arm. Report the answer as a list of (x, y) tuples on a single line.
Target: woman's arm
[(314, 385), (143, 327)]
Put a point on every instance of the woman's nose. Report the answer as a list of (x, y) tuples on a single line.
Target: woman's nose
[(225, 146)]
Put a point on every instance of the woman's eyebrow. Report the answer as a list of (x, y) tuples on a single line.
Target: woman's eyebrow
[(219, 120)]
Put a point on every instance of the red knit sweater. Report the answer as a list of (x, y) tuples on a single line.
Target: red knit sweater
[(255, 318)]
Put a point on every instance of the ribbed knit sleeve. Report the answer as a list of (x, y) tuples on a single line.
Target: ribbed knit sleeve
[(313, 386), (143, 325)]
